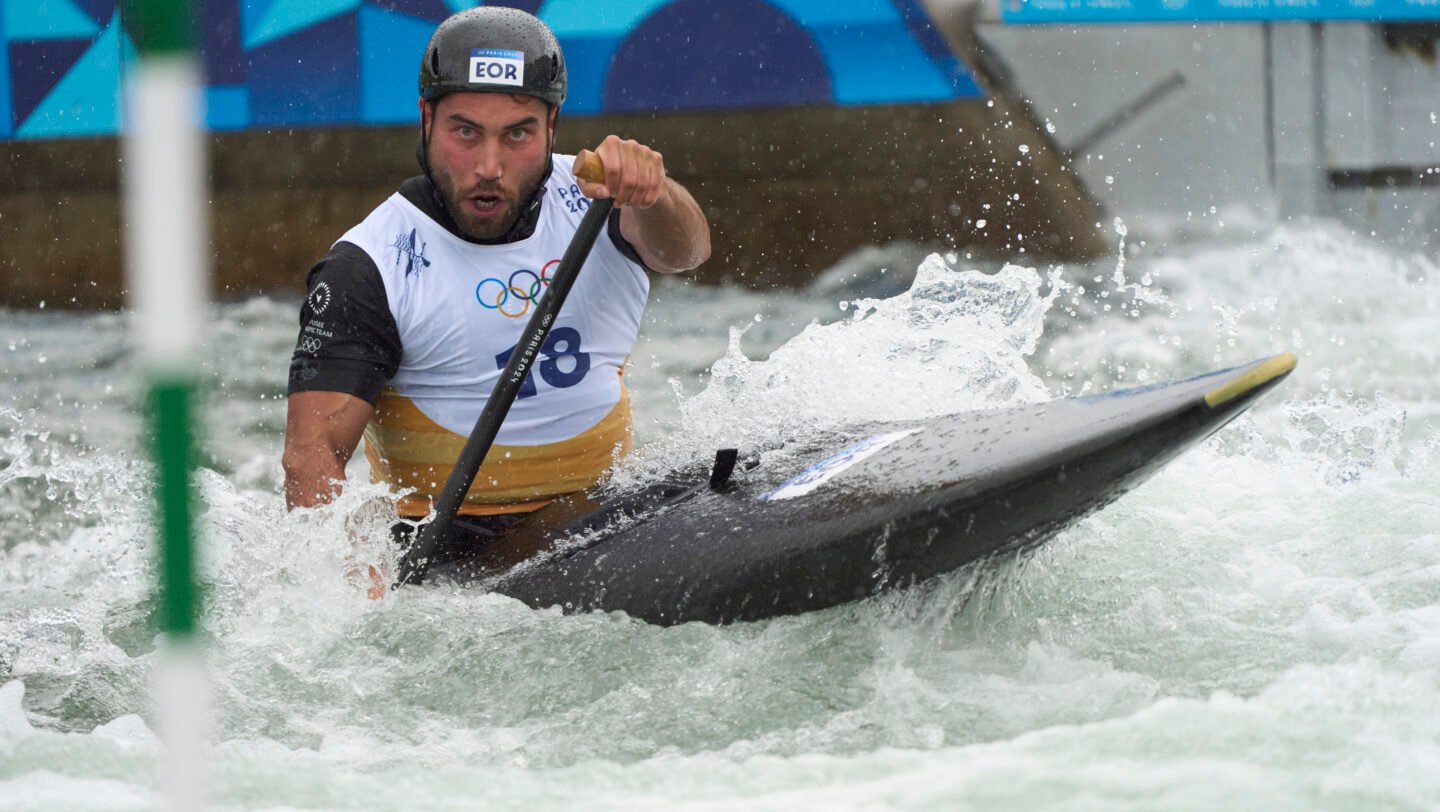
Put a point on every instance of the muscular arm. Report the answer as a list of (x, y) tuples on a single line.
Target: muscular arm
[(658, 217), (347, 348), (670, 236), (322, 430)]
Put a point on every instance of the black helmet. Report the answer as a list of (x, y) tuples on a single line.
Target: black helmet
[(492, 49)]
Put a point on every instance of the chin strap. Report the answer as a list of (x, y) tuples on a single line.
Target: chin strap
[(530, 210)]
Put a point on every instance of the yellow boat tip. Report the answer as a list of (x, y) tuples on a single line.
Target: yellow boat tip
[(1259, 375)]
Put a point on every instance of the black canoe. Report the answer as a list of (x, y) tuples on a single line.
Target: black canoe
[(856, 514)]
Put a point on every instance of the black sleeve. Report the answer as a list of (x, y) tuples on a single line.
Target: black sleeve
[(348, 339), (612, 226)]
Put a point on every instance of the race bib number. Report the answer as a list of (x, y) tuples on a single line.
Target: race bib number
[(562, 363)]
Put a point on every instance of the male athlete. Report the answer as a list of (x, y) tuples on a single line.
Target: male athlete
[(414, 312)]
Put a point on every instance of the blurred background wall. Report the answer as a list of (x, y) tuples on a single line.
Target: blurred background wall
[(806, 128), (1198, 116)]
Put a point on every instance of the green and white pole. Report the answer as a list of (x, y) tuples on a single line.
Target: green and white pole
[(167, 274)]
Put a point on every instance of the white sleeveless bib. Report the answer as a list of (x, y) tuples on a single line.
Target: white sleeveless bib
[(460, 309)]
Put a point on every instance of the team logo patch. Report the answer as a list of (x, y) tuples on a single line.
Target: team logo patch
[(320, 298), (411, 250), (496, 66)]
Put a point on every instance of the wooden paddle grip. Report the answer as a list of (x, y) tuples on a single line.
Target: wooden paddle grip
[(589, 167)]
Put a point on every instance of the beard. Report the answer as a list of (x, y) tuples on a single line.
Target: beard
[(499, 208)]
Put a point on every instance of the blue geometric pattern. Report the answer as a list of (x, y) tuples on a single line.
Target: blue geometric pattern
[(389, 44), (39, 66), (278, 18), (47, 19), (298, 63), (7, 123), (307, 77), (786, 66), (1191, 11), (85, 99)]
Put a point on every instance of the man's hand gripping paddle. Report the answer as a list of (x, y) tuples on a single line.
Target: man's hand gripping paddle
[(416, 560)]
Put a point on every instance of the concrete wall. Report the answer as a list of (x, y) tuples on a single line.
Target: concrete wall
[(788, 191), (1252, 124), (1200, 145)]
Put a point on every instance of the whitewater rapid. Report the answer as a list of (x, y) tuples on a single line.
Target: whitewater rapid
[(1258, 626)]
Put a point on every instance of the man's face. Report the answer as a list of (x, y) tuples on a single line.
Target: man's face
[(487, 152)]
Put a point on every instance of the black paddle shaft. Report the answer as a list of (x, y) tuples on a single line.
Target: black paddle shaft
[(415, 560)]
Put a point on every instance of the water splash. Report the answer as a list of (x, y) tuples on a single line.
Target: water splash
[(1347, 438), (955, 341), (1258, 621)]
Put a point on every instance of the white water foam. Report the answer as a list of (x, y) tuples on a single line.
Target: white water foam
[(1257, 625), (956, 340)]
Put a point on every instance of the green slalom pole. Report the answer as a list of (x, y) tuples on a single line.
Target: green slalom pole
[(167, 277), (165, 166), (172, 449)]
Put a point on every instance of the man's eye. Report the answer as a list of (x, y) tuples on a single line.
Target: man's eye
[(519, 135), (466, 132)]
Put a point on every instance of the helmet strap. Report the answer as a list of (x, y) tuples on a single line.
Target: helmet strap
[(422, 154)]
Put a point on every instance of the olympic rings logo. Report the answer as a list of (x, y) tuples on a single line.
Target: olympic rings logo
[(524, 286)]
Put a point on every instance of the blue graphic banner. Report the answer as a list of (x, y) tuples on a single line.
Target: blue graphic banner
[(303, 63), (1176, 11)]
